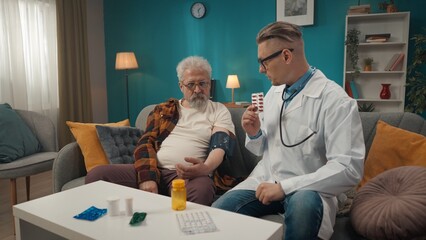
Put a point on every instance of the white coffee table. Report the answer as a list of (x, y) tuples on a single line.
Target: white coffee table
[(51, 217)]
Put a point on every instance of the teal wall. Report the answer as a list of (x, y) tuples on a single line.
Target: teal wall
[(163, 32)]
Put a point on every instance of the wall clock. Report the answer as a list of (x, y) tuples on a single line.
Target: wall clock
[(198, 10)]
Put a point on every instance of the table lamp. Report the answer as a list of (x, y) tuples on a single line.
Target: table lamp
[(125, 61), (232, 82)]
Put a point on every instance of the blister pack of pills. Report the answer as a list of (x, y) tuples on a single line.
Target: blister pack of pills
[(91, 214), (257, 100), (195, 222)]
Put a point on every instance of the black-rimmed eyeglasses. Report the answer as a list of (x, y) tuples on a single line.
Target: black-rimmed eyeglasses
[(272, 56), (192, 85)]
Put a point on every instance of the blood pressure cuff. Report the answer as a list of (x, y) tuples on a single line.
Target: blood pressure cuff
[(223, 141), (222, 180)]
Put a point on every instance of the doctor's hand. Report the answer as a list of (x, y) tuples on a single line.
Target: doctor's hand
[(250, 121), (149, 186), (198, 168), (269, 192)]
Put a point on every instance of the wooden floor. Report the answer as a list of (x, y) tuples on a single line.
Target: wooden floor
[(41, 185)]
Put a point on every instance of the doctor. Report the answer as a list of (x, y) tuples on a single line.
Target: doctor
[(310, 136)]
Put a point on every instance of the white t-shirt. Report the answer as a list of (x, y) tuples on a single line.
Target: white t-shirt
[(191, 135)]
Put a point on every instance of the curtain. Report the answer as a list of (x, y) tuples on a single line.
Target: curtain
[(28, 56), (73, 57)]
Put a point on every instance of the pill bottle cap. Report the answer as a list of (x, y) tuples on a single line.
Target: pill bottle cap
[(178, 183)]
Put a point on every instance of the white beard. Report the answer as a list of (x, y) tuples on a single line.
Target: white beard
[(198, 101)]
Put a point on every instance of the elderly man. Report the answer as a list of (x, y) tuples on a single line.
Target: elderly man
[(186, 138)]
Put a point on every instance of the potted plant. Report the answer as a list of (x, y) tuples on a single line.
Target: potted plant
[(352, 42), (416, 81), (389, 7), (368, 64), (365, 107)]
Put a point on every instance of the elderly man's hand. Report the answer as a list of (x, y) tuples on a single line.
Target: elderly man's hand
[(149, 186), (198, 168)]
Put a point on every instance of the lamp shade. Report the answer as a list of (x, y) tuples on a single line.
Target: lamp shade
[(232, 82), (125, 60)]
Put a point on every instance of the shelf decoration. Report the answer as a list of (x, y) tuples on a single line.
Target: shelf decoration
[(354, 90), (365, 107), (389, 7), (359, 9), (352, 42), (391, 61), (378, 37), (397, 65), (385, 93), (368, 63), (348, 89)]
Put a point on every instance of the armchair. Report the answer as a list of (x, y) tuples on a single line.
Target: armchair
[(36, 163)]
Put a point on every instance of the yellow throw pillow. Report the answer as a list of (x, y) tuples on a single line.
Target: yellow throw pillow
[(87, 138), (393, 147)]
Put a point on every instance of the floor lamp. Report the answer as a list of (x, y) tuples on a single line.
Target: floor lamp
[(125, 61), (232, 82)]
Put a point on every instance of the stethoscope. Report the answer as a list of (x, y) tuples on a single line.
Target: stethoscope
[(292, 95)]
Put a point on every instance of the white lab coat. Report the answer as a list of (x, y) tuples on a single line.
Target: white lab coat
[(330, 162)]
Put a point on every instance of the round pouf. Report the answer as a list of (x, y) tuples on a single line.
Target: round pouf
[(392, 205)]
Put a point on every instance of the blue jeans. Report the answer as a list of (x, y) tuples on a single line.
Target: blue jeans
[(302, 210)]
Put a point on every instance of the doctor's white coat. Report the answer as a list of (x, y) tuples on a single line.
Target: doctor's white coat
[(330, 162)]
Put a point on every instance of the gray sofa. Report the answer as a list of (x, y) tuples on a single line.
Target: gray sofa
[(69, 169)]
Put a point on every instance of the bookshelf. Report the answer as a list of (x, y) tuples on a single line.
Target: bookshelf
[(368, 83)]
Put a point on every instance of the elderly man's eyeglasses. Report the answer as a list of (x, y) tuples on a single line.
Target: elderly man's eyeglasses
[(192, 85), (272, 56)]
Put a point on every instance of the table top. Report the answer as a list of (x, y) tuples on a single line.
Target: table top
[(55, 213)]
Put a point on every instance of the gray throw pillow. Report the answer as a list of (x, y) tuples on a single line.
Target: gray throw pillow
[(16, 138), (119, 143)]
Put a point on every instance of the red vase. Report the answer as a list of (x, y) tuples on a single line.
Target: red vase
[(385, 92)]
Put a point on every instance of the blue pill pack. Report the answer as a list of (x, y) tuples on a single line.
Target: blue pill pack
[(91, 214)]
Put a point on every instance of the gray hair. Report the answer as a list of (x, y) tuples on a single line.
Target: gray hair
[(193, 62), (282, 30)]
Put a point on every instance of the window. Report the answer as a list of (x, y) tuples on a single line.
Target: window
[(28, 59)]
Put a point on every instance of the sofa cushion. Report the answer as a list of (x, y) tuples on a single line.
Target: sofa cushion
[(87, 139), (119, 143), (393, 147), (392, 205), (16, 138)]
